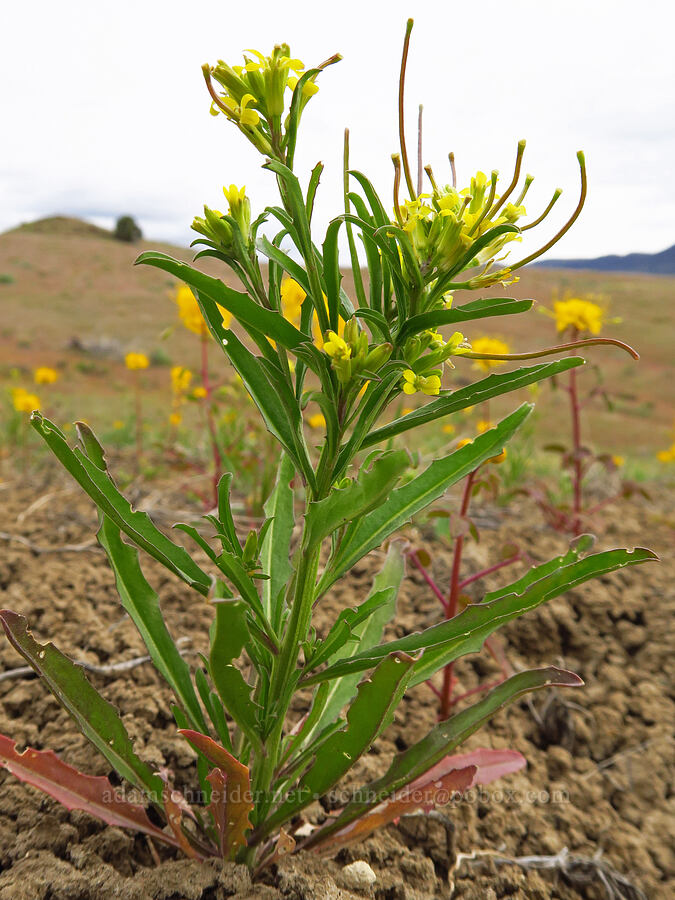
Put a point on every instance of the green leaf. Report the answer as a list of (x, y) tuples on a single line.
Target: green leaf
[(225, 517), (367, 717), (377, 323), (97, 719), (466, 632), (381, 606), (246, 311), (484, 308), (289, 265), (407, 501), (276, 546), (99, 485), (264, 394), (331, 271), (230, 635), (442, 740), (142, 604), (472, 395), (367, 492)]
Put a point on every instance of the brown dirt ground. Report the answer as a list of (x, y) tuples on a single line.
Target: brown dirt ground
[(599, 758)]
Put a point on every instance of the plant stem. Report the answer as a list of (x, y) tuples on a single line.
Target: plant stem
[(497, 566), (213, 434), (139, 421), (577, 465), (453, 596)]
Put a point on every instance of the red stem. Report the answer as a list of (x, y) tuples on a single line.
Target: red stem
[(453, 596), (215, 450), (139, 421), (489, 571), (577, 468), (414, 558)]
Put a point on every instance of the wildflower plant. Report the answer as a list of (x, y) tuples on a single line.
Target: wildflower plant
[(258, 765), (580, 317)]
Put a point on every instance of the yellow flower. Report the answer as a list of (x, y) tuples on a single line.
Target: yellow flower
[(582, 315), (483, 426), (191, 315), (199, 392), (618, 461), (407, 409), (499, 458), (117, 424), (175, 419), (464, 443), (666, 456), (180, 379), (412, 383), (292, 296), (448, 429), (45, 375), (24, 401), (336, 347), (316, 421), (135, 361), (489, 346)]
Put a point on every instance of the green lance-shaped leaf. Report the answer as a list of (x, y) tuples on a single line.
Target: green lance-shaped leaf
[(237, 801), (97, 719), (441, 741), (363, 536), (367, 492), (276, 546), (466, 632), (472, 395), (44, 770), (371, 712), (230, 635), (364, 631), (287, 429), (246, 311), (98, 483), (142, 604), (484, 308)]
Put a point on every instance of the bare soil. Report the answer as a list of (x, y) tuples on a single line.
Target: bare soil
[(598, 780)]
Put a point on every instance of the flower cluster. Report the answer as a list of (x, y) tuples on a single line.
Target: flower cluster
[(218, 230), (253, 95), (443, 230), (351, 356), (426, 354), (136, 361), (191, 315)]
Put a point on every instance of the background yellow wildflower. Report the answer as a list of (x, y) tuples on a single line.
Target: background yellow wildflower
[(24, 401), (191, 315), (489, 345), (135, 361), (45, 375)]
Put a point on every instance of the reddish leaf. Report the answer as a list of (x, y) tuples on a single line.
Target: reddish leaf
[(96, 795), (489, 764), (174, 804), (425, 795), (237, 784), (217, 807)]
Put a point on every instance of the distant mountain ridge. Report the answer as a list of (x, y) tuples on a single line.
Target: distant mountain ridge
[(662, 263)]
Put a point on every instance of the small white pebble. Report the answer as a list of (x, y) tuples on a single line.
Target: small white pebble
[(358, 875)]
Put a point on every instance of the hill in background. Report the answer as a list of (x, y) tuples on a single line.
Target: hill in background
[(662, 263), (65, 283)]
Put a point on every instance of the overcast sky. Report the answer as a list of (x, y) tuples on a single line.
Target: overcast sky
[(105, 112)]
